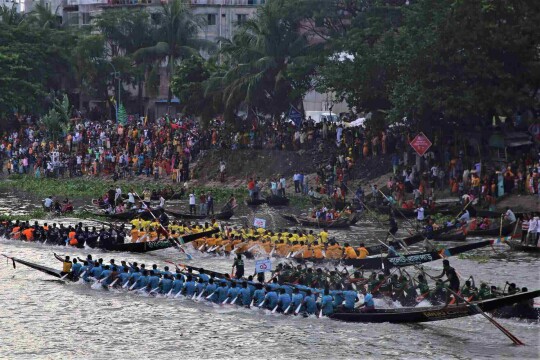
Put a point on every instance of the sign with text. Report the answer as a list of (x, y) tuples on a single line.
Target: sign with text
[(420, 144), (259, 223), (263, 266)]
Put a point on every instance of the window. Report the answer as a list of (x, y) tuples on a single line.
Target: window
[(241, 18), (86, 18), (211, 19)]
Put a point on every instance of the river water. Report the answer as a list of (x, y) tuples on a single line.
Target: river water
[(42, 318)]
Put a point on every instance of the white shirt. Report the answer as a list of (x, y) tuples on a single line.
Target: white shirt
[(131, 198), (420, 212), (161, 201), (465, 217), (534, 225), (47, 202), (191, 199), (510, 215)]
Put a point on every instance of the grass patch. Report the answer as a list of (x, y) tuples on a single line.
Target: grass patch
[(74, 187)]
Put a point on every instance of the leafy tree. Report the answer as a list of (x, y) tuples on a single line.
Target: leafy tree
[(57, 120), (175, 38), (466, 60), (188, 85), (268, 63)]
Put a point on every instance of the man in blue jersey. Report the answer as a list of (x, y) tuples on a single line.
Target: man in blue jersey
[(221, 292), (105, 278), (75, 269), (351, 297), (310, 303), (178, 285), (166, 284), (124, 277), (199, 287), (369, 304), (327, 303), (153, 281), (210, 290), (142, 281), (232, 293), (189, 287), (297, 299), (271, 298), (245, 294), (284, 301), (259, 296), (96, 270)]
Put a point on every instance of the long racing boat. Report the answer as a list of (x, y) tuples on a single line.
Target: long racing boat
[(378, 315)]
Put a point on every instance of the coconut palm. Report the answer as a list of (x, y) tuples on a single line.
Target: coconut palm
[(10, 15), (44, 18), (175, 38), (269, 63)]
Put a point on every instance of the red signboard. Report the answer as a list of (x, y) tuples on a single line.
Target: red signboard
[(420, 144)]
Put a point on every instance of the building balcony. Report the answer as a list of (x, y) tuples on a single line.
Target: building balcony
[(228, 2), (83, 2)]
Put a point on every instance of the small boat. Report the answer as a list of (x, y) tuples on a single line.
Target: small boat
[(455, 235), (518, 246), (433, 313), (272, 200), (127, 215), (444, 209), (339, 223), (494, 231), (167, 195), (495, 214), (254, 202), (99, 205), (411, 240), (223, 215), (142, 247), (336, 204)]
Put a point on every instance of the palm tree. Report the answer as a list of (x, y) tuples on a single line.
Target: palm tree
[(44, 18), (10, 15), (269, 64), (175, 38)]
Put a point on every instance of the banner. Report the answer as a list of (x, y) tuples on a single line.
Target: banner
[(263, 266), (478, 168), (295, 116), (259, 223)]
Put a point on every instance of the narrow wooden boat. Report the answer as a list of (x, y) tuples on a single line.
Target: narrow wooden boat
[(386, 263), (336, 204), (47, 270), (444, 209), (224, 215), (254, 202), (339, 223), (393, 315), (495, 214), (455, 235), (411, 240), (433, 313), (142, 247), (127, 215), (272, 200), (507, 229), (518, 246)]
